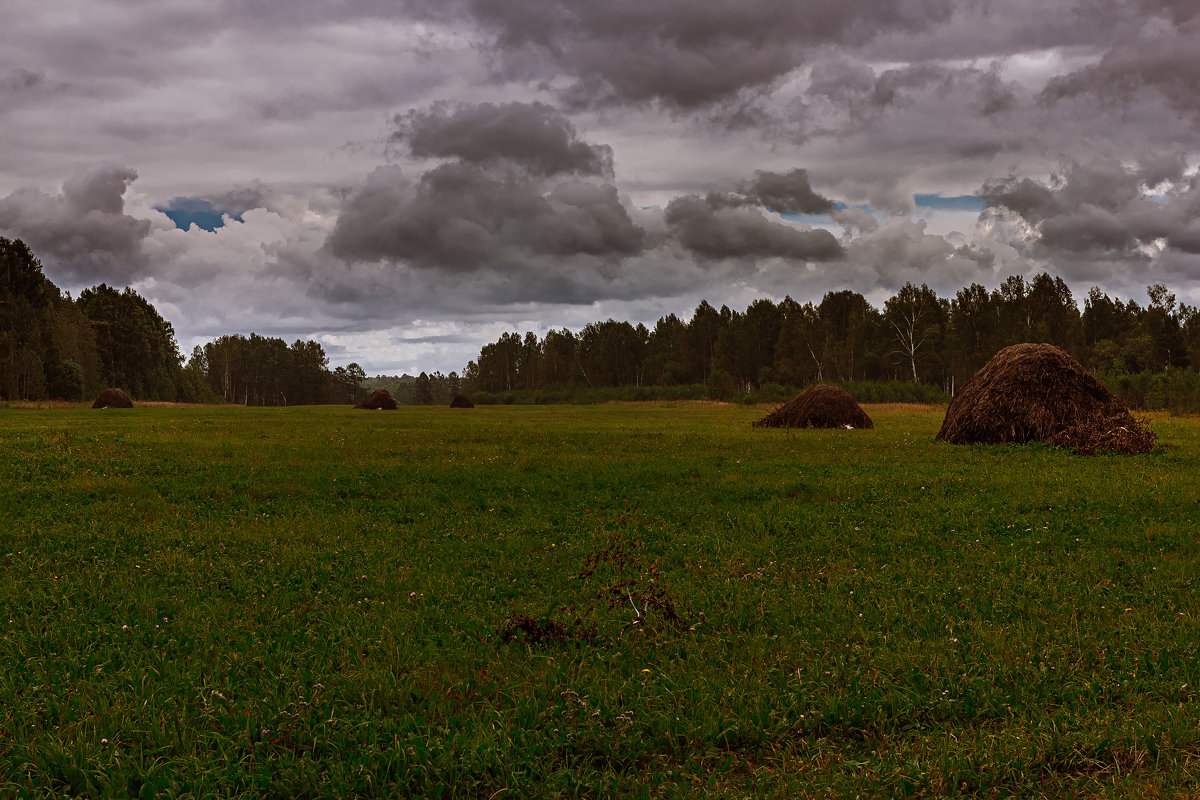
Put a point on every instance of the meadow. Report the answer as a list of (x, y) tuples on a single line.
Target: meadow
[(589, 601)]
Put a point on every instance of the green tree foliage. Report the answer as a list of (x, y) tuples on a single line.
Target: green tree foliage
[(745, 348), (264, 371), (611, 353), (136, 346), (917, 336), (47, 346), (915, 316), (438, 388), (423, 390), (852, 332), (348, 383)]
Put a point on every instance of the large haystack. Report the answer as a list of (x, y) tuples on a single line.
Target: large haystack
[(461, 401), (822, 406), (1038, 393), (113, 398), (379, 400)]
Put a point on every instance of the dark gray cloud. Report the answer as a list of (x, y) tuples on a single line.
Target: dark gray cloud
[(83, 232), (536, 137), (1162, 55), (1105, 208), (715, 230), (461, 217), (240, 199), (978, 29), (681, 55), (786, 193), (19, 80)]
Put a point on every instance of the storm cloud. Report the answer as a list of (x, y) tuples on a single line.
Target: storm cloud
[(1160, 54), (683, 56), (460, 217), (1105, 208), (83, 231), (712, 229), (537, 138), (787, 193)]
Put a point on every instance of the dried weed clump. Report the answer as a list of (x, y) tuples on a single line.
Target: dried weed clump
[(632, 589), (621, 594)]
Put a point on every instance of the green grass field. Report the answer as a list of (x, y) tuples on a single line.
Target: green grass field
[(599, 601)]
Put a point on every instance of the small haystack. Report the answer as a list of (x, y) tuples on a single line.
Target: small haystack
[(822, 406), (461, 401), (379, 400), (113, 398), (1039, 393)]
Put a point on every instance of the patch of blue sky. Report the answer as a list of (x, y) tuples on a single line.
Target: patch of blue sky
[(931, 202), (188, 211)]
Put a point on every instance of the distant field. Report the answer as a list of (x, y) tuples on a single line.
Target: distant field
[(322, 602)]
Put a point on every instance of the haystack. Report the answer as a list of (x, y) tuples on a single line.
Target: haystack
[(380, 399), (1038, 393), (461, 401), (113, 398), (822, 406)]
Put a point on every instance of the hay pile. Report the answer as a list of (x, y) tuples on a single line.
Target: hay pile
[(822, 406), (1038, 393), (113, 398), (461, 401), (380, 399)]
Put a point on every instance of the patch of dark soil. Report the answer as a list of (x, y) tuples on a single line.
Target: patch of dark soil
[(542, 631)]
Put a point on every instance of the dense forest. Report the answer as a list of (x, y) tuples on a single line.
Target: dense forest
[(53, 346), (916, 336)]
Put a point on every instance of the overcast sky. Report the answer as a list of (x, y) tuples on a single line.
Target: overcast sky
[(404, 180)]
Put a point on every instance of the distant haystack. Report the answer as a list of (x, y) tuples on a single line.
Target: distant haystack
[(113, 398), (1039, 393), (822, 406), (461, 401), (379, 400)]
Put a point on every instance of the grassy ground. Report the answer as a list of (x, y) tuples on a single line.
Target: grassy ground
[(609, 601)]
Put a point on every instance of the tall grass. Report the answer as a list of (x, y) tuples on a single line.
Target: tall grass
[(319, 602)]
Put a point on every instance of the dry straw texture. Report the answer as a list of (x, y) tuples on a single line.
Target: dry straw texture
[(461, 401), (113, 398), (379, 399), (822, 406), (1039, 393)]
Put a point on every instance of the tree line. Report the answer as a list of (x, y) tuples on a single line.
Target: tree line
[(917, 336), (428, 388), (56, 347), (53, 346)]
